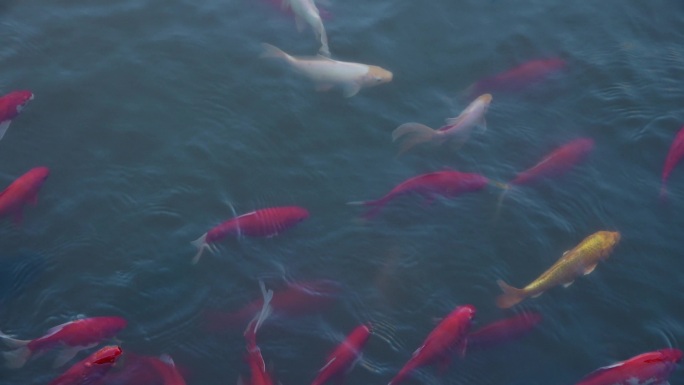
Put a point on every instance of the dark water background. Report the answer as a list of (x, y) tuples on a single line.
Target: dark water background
[(154, 115)]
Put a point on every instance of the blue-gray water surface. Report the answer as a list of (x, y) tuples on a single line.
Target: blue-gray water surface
[(158, 118)]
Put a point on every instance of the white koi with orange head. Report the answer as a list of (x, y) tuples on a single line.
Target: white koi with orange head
[(327, 73)]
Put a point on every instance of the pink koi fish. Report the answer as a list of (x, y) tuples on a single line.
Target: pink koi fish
[(91, 370), (22, 191), (298, 298), (645, 369), (518, 78), (675, 154), (450, 334), (440, 183), (458, 127), (266, 222), (344, 357), (10, 106), (504, 330), (74, 336)]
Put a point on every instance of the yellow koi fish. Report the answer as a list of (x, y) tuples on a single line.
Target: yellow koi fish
[(327, 73), (581, 260)]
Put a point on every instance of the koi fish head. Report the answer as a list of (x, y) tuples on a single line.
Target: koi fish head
[(36, 177), (377, 75), (106, 355), (671, 355), (20, 99), (113, 325), (297, 214), (609, 239)]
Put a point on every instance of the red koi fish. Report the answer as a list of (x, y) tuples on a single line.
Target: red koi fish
[(557, 162), (450, 334), (144, 370), (518, 78), (92, 369), (10, 107), (298, 298), (257, 366), (74, 336), (440, 183), (675, 154), (653, 368), (504, 330), (344, 357), (22, 191), (266, 222)]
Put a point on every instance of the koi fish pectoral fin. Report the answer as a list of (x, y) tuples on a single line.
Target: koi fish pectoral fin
[(68, 353), (589, 269), (350, 89), (4, 125), (568, 284), (483, 125), (321, 87)]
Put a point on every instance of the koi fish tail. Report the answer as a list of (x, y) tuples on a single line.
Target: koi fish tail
[(510, 297), (16, 358), (201, 244), (273, 52), (663, 193), (377, 205), (505, 187), (322, 36), (266, 309), (258, 320), (417, 134)]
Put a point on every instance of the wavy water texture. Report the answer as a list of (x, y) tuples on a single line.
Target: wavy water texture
[(158, 121)]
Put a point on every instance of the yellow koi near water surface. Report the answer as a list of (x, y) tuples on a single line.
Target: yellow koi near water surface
[(579, 261)]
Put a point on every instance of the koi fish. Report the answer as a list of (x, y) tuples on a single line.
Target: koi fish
[(298, 298), (581, 260), (257, 366), (441, 183), (652, 368), (305, 11), (22, 191), (675, 154), (74, 336), (460, 126), (558, 162), (327, 73), (504, 330), (266, 222), (518, 78), (344, 357), (10, 106), (447, 336), (144, 370), (92, 369)]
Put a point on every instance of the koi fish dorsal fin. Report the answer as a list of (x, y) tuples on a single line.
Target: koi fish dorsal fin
[(55, 329)]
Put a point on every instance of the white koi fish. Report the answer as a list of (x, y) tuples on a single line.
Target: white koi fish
[(305, 11), (460, 126), (327, 73)]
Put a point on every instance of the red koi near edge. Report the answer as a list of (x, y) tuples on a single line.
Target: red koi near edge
[(344, 357), (675, 154), (450, 334)]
